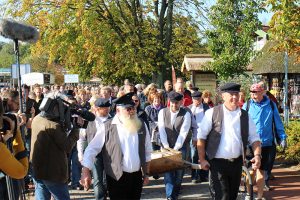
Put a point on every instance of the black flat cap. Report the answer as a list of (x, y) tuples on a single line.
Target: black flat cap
[(125, 100), (101, 102), (195, 88), (175, 96), (230, 87), (196, 94), (69, 93)]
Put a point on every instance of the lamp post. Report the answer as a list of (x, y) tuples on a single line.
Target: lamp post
[(285, 100)]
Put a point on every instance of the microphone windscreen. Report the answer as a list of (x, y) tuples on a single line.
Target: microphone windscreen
[(15, 30)]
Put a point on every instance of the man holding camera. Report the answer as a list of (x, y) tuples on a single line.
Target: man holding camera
[(13, 159), (50, 144)]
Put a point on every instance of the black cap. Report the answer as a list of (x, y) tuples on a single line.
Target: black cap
[(69, 93), (196, 94), (195, 88), (101, 102), (230, 87), (175, 96), (125, 100)]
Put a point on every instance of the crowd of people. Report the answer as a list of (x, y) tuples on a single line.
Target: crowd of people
[(104, 135)]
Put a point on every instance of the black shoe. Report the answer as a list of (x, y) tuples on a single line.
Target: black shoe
[(156, 177), (267, 188)]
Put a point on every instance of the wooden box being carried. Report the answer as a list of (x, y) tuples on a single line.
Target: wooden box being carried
[(168, 160)]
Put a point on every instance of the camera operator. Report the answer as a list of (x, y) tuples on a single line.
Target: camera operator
[(14, 160), (52, 138)]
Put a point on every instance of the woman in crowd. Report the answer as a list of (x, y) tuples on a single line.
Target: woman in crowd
[(155, 100), (206, 96), (140, 112)]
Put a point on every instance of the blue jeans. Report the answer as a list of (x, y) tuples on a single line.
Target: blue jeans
[(173, 179), (99, 178), (75, 167), (44, 189)]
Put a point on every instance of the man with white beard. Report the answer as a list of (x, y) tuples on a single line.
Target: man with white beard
[(124, 142)]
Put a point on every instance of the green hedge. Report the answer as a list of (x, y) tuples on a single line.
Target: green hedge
[(292, 153)]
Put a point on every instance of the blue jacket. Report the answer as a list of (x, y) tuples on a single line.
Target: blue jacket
[(262, 115)]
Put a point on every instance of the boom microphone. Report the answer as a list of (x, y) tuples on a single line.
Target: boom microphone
[(18, 31)]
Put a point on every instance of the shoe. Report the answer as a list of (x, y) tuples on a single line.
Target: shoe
[(194, 181), (79, 187), (267, 188), (156, 177), (247, 197)]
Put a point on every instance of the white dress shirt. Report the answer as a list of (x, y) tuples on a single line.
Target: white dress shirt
[(231, 141), (198, 114), (186, 125), (86, 135), (129, 145)]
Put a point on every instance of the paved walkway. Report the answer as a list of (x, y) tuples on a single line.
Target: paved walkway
[(286, 186)]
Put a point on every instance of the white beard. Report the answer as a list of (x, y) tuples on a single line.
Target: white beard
[(131, 124)]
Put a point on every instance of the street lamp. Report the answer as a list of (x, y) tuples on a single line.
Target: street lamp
[(285, 99)]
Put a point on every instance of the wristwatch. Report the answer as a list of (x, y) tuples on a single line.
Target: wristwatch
[(259, 155)]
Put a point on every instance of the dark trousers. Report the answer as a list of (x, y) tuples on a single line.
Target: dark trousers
[(99, 178), (267, 161), (129, 186), (226, 177)]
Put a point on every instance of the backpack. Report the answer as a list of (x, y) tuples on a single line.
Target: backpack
[(275, 135)]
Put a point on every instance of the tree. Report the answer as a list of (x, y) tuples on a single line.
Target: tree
[(114, 39), (7, 55), (285, 26), (231, 38)]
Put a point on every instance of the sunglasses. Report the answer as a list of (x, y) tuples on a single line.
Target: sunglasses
[(254, 91), (136, 101), (128, 109)]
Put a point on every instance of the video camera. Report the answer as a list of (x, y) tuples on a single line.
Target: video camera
[(78, 111), (57, 106)]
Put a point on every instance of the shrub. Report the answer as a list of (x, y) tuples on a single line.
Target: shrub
[(292, 153)]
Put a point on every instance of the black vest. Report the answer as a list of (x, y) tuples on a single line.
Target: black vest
[(112, 152), (173, 131), (214, 137)]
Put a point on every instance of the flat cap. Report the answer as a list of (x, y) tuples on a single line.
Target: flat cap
[(195, 88), (196, 94), (125, 100), (101, 102), (175, 96), (230, 87)]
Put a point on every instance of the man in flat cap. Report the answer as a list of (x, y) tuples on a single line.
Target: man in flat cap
[(101, 109), (224, 133), (174, 124), (124, 142), (197, 109)]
